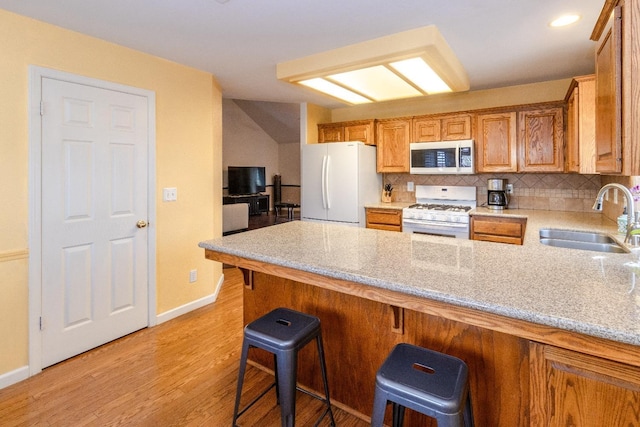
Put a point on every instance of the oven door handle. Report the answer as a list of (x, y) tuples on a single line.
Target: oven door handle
[(436, 224)]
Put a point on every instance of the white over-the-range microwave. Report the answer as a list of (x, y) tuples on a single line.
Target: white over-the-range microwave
[(443, 157)]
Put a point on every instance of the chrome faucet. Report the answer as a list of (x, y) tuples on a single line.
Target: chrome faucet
[(633, 221)]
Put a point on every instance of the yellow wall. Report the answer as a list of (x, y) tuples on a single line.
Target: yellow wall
[(188, 151), (316, 115)]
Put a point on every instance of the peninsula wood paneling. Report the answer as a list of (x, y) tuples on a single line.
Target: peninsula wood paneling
[(359, 333), (573, 389)]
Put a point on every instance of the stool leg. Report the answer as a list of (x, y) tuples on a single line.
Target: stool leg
[(398, 415), (275, 372), (241, 371), (379, 408), (287, 362), (323, 369), (468, 412)]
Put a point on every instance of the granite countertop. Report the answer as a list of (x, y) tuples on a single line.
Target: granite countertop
[(391, 205), (587, 292)]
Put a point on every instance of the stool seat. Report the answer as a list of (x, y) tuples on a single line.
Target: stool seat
[(283, 332), (426, 381), (282, 329)]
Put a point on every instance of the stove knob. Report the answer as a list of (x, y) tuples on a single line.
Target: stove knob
[(455, 219)]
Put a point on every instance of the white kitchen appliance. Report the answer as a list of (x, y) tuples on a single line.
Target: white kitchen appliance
[(338, 179), (440, 210), (444, 157)]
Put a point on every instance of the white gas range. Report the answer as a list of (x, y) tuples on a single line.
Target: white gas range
[(440, 210)]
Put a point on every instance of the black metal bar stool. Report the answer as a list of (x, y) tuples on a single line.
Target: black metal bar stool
[(283, 332), (426, 381)]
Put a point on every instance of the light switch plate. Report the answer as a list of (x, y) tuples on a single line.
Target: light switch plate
[(410, 186), (169, 194)]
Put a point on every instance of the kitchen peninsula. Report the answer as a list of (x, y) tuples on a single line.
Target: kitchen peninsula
[(549, 334)]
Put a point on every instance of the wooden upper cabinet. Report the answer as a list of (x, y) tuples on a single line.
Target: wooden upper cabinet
[(581, 125), (496, 142), (456, 128), (358, 130), (444, 128), (609, 98), (541, 140), (330, 132), (426, 130), (393, 138)]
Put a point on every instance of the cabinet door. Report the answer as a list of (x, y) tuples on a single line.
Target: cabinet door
[(496, 142), (574, 389), (361, 132), (393, 145), (456, 128), (541, 140), (573, 123), (330, 133), (426, 130), (581, 118), (609, 99)]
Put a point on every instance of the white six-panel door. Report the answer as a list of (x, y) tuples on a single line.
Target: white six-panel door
[(94, 212)]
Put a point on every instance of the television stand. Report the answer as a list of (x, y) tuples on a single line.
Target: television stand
[(258, 203)]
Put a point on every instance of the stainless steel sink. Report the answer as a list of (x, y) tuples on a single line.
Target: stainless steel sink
[(586, 240)]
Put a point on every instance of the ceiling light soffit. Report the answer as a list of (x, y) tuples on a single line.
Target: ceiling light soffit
[(359, 68)]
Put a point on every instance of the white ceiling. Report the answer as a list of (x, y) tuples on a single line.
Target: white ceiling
[(499, 42)]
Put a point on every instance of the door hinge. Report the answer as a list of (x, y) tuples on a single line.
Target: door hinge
[(41, 324), (42, 108)]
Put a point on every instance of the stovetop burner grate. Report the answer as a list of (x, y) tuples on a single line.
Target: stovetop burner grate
[(440, 207)]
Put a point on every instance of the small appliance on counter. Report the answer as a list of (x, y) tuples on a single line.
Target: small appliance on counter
[(497, 198)]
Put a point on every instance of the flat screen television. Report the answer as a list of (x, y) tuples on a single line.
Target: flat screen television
[(246, 180)]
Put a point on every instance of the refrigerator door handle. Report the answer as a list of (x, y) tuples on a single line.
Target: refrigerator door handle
[(325, 183)]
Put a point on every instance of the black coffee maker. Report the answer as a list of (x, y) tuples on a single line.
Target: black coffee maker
[(497, 198)]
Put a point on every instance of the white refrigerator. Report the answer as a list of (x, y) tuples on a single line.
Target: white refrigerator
[(338, 179)]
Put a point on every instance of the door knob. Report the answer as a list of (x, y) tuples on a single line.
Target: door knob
[(141, 224)]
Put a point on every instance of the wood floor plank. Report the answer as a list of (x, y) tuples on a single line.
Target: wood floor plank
[(180, 373)]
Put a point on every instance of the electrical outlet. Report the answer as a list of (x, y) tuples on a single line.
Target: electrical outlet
[(169, 194), (410, 186), (509, 188), (193, 276)]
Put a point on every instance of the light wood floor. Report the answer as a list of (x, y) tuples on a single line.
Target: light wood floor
[(180, 373)]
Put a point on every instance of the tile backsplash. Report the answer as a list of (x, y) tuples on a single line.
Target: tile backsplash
[(556, 192)]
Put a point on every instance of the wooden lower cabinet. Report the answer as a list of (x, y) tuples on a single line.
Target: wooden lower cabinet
[(499, 229), (384, 219), (573, 389)]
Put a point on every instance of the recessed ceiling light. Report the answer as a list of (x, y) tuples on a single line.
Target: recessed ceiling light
[(564, 20)]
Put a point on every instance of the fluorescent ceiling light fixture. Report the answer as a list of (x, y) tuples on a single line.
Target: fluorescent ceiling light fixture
[(565, 20), (334, 90), (412, 63)]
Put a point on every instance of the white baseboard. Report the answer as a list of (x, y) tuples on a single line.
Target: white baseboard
[(14, 376), (193, 305)]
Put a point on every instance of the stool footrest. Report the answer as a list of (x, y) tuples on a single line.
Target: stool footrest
[(253, 402)]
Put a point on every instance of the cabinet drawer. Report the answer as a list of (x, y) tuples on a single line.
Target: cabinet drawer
[(384, 219), (498, 229)]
